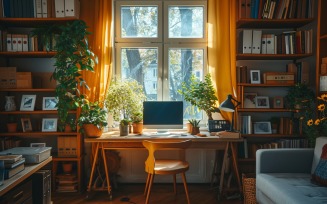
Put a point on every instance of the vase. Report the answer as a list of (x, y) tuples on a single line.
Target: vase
[(10, 103), (123, 130)]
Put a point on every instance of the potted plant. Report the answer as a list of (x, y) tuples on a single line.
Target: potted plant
[(195, 128), (124, 98), (200, 94), (73, 56), (92, 118), (299, 96), (12, 124), (137, 118)]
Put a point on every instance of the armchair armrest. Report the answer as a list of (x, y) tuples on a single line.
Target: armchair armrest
[(284, 160)]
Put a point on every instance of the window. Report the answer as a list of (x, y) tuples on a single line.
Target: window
[(161, 44)]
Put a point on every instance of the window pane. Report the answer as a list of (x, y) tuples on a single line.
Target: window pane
[(139, 21), (141, 64), (183, 63), (185, 21)]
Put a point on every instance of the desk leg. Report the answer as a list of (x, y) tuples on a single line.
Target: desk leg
[(235, 165), (222, 173), (93, 167), (106, 171)]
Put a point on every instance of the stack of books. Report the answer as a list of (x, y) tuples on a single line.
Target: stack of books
[(66, 183), (13, 165)]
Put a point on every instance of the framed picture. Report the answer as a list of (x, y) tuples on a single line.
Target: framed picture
[(37, 145), (28, 103), (49, 103), (278, 102), (261, 102), (255, 76), (26, 124), (262, 128), (249, 100), (49, 124)]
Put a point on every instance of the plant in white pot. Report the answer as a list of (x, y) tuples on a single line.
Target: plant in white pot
[(124, 98)]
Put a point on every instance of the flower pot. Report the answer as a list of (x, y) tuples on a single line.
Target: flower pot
[(67, 168), (123, 130), (137, 128), (68, 128), (195, 130), (92, 130), (189, 127), (12, 127)]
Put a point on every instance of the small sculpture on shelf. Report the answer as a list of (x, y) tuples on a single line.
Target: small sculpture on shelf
[(10, 103)]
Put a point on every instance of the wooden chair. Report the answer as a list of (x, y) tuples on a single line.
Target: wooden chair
[(165, 166)]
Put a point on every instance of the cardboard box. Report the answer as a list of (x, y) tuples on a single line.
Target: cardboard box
[(24, 80), (7, 77)]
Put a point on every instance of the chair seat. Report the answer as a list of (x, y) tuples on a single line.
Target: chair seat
[(170, 166)]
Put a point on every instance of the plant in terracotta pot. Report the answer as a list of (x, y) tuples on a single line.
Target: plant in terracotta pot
[(195, 128), (123, 98), (92, 118), (12, 124), (137, 118)]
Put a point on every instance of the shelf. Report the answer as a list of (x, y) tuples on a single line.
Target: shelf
[(38, 133), (323, 37), (27, 90), (28, 54), (264, 110), (264, 85), (270, 136), (271, 56), (273, 23), (66, 158), (244, 159), (32, 22), (32, 112)]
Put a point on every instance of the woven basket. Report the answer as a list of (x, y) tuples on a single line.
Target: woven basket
[(249, 188)]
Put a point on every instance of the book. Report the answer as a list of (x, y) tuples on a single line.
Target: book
[(15, 164), (8, 173), (10, 159)]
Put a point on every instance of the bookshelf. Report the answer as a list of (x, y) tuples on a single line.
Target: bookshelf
[(265, 62)]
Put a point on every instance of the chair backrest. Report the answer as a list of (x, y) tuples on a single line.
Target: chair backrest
[(320, 142), (152, 147)]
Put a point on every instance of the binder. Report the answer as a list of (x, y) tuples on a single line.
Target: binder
[(19, 42), (6, 8), (256, 41), (14, 43), (264, 44), (38, 8), (44, 8), (248, 9), (247, 41), (242, 9), (73, 146), (25, 43), (270, 49), (72, 8), (60, 8), (9, 43)]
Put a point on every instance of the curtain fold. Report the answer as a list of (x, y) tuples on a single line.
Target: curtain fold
[(101, 45), (222, 48)]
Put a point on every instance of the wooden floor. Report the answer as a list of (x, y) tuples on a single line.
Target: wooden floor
[(161, 194)]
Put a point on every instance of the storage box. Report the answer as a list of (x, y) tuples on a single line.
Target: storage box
[(286, 78), (7, 77), (31, 154), (23, 80)]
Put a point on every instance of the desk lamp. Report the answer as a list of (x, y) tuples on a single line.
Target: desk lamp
[(229, 106)]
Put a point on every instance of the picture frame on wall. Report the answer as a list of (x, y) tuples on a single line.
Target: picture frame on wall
[(262, 128), (255, 76), (49, 103), (27, 103), (249, 100), (26, 124), (262, 102), (49, 124), (278, 102)]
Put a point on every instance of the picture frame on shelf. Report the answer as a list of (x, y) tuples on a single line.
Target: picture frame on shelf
[(26, 124), (49, 124), (278, 102), (255, 76), (49, 103), (249, 100), (27, 103), (37, 145), (262, 102), (262, 128)]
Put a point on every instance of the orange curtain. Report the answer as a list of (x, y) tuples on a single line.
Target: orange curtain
[(101, 45), (222, 48)]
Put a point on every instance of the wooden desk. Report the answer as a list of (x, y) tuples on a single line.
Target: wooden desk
[(112, 140), (10, 183)]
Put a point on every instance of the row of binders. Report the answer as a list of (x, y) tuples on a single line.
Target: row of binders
[(276, 9), (288, 42), (39, 8), (18, 42)]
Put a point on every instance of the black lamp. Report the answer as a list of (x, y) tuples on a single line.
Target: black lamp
[(229, 106)]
